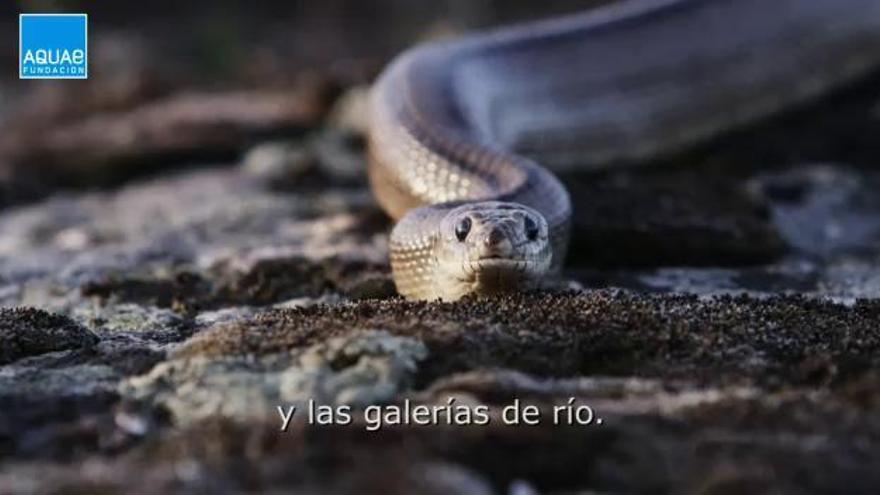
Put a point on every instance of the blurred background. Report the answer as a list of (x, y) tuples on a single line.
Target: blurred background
[(294, 59)]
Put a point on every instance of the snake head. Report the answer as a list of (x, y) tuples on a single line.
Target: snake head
[(492, 246)]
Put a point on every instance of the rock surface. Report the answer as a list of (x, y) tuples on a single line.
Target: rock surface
[(27, 332)]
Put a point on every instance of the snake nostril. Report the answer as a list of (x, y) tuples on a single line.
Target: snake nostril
[(495, 237)]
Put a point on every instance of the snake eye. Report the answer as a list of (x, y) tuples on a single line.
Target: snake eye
[(531, 228), (462, 228)]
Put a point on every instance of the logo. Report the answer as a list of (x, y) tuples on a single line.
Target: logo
[(53, 46)]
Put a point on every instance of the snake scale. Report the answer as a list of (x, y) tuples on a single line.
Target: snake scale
[(460, 131)]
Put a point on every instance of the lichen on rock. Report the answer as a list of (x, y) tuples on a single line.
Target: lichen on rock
[(362, 368)]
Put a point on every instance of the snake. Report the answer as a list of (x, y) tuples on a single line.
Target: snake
[(463, 134)]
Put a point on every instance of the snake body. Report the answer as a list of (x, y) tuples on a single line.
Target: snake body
[(458, 129)]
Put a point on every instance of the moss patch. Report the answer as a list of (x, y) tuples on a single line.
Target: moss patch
[(787, 339), (28, 331)]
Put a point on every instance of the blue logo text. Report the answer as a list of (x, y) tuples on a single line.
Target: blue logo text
[(53, 46)]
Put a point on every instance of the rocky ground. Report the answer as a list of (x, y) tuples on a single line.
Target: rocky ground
[(176, 267)]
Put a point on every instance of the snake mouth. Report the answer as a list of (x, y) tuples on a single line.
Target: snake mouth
[(498, 266), (495, 274), (498, 261)]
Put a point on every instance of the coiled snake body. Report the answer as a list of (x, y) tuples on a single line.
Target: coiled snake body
[(458, 129)]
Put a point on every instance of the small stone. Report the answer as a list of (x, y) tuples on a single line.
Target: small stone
[(340, 155), (351, 111), (278, 163)]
